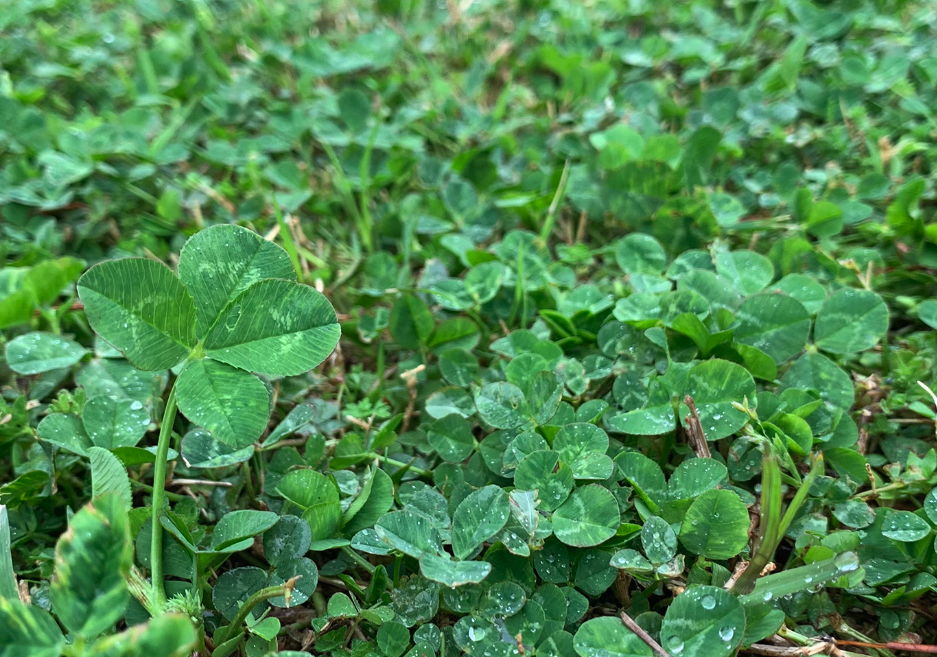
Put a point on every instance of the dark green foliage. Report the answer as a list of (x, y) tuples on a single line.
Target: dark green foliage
[(486, 322)]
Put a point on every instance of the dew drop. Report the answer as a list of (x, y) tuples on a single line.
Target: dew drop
[(708, 602), (675, 644), (726, 633), (847, 562), (476, 633)]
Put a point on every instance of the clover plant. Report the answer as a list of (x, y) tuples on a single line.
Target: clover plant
[(632, 351)]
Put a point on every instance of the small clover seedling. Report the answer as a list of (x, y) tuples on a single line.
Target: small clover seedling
[(234, 309)]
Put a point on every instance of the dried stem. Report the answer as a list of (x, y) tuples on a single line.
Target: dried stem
[(644, 636), (694, 431)]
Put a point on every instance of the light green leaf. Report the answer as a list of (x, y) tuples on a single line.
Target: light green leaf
[(39, 286), (814, 371), (340, 606), (275, 327), (854, 513), (645, 477), (411, 322), (930, 505), (590, 516), (704, 621), (761, 621), (825, 220), (112, 422), (502, 405), (139, 306), (287, 540), (393, 638), (774, 323), (28, 631), (690, 325), (904, 526), (640, 254), (238, 526), (803, 288), (317, 495), (524, 505), (750, 272), (694, 477), (66, 431), (220, 262), (298, 417), (528, 623), (34, 353), (354, 108), (714, 386), (583, 447), (726, 208), (618, 144), (459, 367), (483, 281), (450, 400), (478, 518), (542, 471), (544, 395), (607, 636), (759, 364), (117, 378), (409, 532), (716, 525), (632, 560), (654, 419), (453, 573), (232, 404), (850, 321), (26, 487), (108, 475), (658, 539), (92, 559), (201, 450), (170, 635), (375, 499), (234, 587), (502, 599), (927, 312), (452, 437)]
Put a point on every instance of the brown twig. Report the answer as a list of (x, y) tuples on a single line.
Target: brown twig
[(201, 482), (410, 378), (740, 568), (788, 651), (694, 431), (644, 636), (891, 645), (581, 229)]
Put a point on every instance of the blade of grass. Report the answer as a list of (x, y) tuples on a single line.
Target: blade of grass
[(7, 575), (287, 236), (558, 197), (773, 525)]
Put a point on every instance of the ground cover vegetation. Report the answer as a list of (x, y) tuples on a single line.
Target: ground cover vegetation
[(503, 329)]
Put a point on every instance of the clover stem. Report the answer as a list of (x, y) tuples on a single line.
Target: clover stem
[(283, 590), (146, 488), (423, 472), (159, 499), (358, 559)]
